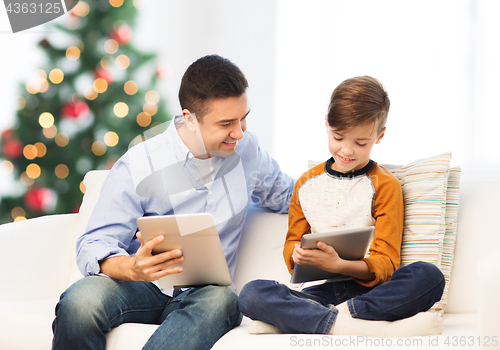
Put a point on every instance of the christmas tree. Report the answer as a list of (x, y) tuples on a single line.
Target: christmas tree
[(91, 101)]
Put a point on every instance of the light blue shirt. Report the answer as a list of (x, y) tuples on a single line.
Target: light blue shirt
[(160, 177)]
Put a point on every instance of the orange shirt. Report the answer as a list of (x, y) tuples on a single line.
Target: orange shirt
[(324, 199)]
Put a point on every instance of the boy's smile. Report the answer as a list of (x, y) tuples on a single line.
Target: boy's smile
[(351, 149)]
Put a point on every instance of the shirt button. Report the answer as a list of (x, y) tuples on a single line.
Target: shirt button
[(210, 192), (196, 178)]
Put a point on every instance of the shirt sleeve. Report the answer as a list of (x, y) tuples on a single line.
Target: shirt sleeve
[(297, 222), (388, 210), (112, 225)]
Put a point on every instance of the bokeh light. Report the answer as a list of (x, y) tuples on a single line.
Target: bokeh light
[(111, 46), (30, 152), (116, 3), (81, 9), (143, 119), (121, 109), (18, 212), (26, 180), (99, 148), (90, 93), (100, 85), (62, 139), (51, 132), (33, 171), (56, 76), (111, 139), (41, 149), (122, 62), (131, 87), (46, 120), (6, 167), (82, 187), (73, 53), (61, 171), (152, 97)]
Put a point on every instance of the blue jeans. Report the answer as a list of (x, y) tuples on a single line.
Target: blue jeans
[(193, 319), (412, 289)]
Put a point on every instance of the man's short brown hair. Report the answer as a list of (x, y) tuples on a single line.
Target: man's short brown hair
[(209, 78), (358, 101)]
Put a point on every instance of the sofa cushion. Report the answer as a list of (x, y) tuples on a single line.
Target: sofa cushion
[(260, 253), (27, 324), (477, 236)]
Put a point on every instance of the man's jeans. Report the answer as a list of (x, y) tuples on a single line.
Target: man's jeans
[(193, 319), (412, 289)]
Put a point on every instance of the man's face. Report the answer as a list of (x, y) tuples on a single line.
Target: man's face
[(224, 124)]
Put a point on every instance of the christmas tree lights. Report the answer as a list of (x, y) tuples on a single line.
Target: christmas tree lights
[(81, 111)]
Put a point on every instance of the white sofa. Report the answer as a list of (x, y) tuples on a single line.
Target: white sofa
[(37, 265)]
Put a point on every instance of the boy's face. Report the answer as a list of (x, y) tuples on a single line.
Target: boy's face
[(351, 150), (223, 126)]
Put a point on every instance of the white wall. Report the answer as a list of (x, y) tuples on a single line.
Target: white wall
[(242, 31), (437, 59)]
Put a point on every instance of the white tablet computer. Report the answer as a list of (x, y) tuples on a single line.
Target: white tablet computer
[(350, 244), (196, 235)]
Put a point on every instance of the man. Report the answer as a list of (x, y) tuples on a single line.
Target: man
[(203, 162)]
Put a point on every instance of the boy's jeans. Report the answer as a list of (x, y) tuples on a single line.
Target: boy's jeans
[(193, 319), (412, 289)]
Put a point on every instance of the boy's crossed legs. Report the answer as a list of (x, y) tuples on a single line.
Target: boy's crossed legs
[(412, 289)]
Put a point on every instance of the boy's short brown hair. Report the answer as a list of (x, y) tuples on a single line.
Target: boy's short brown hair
[(358, 101)]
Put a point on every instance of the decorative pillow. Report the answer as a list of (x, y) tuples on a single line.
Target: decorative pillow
[(424, 184), (430, 191), (452, 194)]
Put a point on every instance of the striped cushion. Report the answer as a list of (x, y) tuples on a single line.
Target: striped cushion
[(450, 234), (424, 184), (430, 192)]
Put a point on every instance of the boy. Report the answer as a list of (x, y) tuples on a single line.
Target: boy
[(350, 190)]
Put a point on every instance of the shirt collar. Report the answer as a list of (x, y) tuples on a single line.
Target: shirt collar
[(180, 150)]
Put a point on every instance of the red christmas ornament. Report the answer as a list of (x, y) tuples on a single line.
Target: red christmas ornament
[(12, 148), (75, 110), (38, 199), (122, 34), (104, 74)]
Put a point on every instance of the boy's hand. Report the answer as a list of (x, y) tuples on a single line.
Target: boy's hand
[(324, 258)]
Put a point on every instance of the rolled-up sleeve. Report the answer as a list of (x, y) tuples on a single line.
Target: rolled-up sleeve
[(112, 224)]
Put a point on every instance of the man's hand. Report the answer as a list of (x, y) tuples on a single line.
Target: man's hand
[(144, 266)]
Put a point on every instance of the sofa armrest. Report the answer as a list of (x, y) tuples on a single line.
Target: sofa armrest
[(488, 272), (35, 257)]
